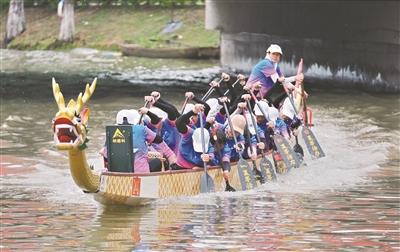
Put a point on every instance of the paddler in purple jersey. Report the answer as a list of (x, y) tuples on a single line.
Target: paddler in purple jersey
[(221, 149), (166, 128), (268, 73), (157, 117), (190, 148), (143, 137)]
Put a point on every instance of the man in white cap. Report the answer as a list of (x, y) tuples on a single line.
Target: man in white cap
[(268, 73)]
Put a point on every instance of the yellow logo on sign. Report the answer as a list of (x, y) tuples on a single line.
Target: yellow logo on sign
[(118, 137)]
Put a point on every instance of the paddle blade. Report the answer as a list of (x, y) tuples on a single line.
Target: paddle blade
[(206, 183), (246, 176), (280, 165), (260, 176), (299, 151), (288, 155), (267, 170), (312, 144)]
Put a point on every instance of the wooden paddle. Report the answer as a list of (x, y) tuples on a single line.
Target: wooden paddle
[(313, 147), (312, 144), (255, 169), (297, 147), (266, 168), (246, 175), (206, 182)]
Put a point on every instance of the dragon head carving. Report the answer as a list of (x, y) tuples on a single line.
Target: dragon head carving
[(70, 122)]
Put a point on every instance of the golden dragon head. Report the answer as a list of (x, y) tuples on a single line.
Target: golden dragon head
[(70, 122)]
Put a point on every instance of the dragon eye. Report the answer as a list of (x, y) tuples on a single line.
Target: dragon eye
[(77, 120)]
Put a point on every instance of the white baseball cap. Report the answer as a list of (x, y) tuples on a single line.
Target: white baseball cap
[(274, 48), (131, 115), (196, 138)]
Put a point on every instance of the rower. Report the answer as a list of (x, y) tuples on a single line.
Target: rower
[(251, 144), (266, 125), (291, 121), (190, 152), (155, 124), (221, 149), (268, 73), (165, 126), (239, 123), (141, 136)]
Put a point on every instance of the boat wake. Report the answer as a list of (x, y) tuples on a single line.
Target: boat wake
[(354, 146)]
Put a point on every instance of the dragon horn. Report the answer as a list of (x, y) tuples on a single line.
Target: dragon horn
[(79, 104), (58, 96), (71, 104), (89, 91)]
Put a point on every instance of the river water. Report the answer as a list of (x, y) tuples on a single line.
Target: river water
[(347, 201)]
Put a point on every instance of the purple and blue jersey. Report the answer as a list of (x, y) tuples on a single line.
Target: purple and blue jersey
[(262, 72), (220, 118), (232, 155), (141, 134), (282, 128), (168, 132), (187, 157)]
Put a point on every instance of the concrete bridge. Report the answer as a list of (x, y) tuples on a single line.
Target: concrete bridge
[(342, 42)]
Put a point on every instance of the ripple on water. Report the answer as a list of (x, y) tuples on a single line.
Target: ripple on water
[(346, 201)]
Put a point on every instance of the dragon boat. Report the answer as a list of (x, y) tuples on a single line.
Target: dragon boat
[(119, 186)]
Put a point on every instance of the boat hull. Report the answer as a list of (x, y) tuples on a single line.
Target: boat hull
[(140, 189)]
